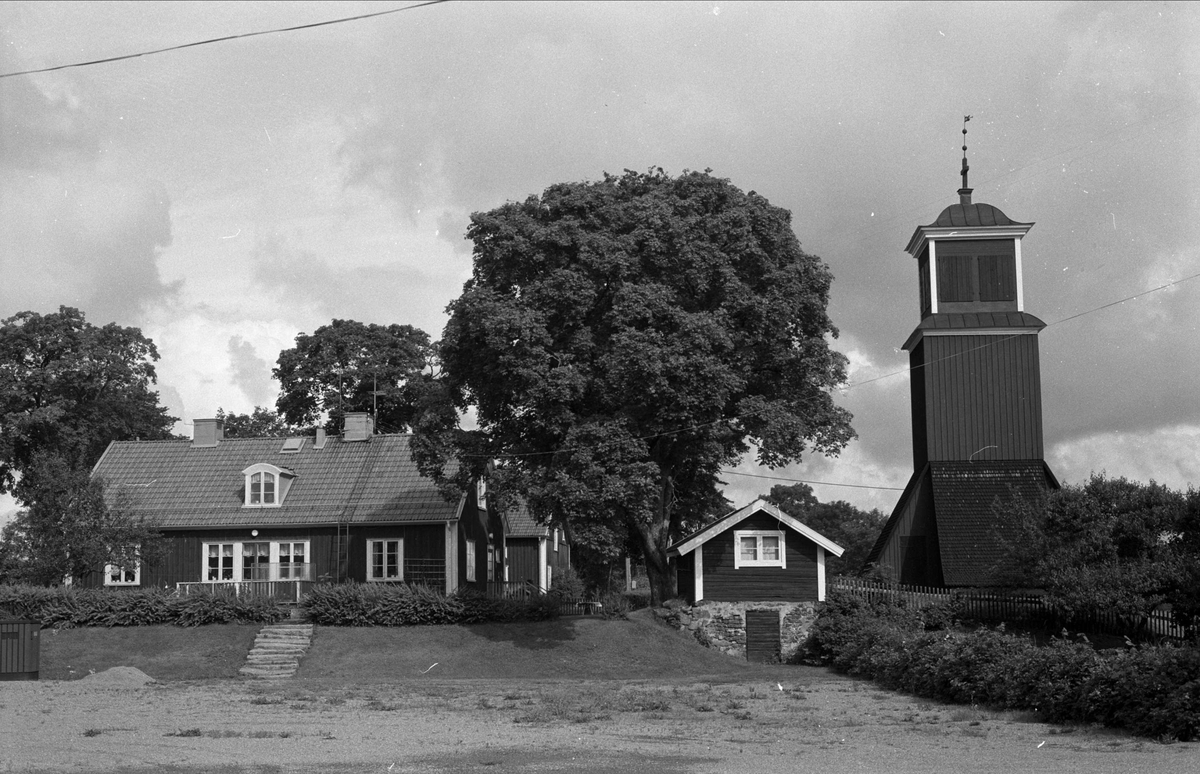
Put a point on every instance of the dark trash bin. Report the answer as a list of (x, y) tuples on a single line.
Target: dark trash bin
[(19, 641)]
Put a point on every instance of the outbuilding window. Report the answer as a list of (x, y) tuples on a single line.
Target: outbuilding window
[(758, 548)]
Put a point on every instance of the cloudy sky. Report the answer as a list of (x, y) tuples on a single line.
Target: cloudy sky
[(224, 198)]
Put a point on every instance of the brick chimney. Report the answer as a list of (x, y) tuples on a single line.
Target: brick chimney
[(207, 433), (357, 426)]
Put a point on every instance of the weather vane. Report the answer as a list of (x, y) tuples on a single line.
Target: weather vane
[(965, 167)]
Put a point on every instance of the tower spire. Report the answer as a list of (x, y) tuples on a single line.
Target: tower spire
[(964, 193)]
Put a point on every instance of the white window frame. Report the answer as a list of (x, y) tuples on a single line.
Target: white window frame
[(470, 544), (281, 479), (758, 534), (237, 567), (399, 578), (556, 533), (111, 570)]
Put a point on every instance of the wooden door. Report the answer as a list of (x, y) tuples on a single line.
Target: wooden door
[(762, 635)]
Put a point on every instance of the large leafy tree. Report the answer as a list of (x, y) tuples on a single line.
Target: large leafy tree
[(1109, 544), (72, 529), (69, 388), (351, 366), (622, 340), (260, 423), (851, 528)]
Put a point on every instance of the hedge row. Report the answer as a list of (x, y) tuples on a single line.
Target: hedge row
[(64, 607), (1149, 690), (355, 604)]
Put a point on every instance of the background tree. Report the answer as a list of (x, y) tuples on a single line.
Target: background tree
[(72, 529), (68, 388), (851, 528), (1109, 544), (341, 367), (622, 340), (260, 423)]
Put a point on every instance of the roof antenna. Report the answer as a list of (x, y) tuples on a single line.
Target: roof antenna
[(964, 193)]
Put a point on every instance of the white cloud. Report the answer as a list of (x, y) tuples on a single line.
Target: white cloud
[(1170, 456)]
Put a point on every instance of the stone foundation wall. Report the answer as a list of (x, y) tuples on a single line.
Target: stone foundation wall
[(722, 625)]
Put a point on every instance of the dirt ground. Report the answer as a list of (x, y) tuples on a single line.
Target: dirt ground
[(782, 719)]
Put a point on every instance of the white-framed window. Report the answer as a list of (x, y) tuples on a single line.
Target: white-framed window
[(556, 531), (266, 485), (758, 548), (470, 560), (481, 492), (256, 560), (293, 559), (129, 574), (492, 556), (385, 560), (549, 576), (129, 570)]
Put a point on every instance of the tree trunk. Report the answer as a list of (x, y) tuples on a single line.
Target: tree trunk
[(659, 570)]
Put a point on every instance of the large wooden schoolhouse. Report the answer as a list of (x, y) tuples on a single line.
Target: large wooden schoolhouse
[(274, 515)]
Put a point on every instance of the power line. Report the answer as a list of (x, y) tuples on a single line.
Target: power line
[(222, 39)]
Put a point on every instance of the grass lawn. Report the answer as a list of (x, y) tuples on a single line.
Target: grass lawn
[(164, 652)]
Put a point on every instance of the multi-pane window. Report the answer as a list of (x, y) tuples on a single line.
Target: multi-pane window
[(256, 560), (219, 561), (267, 485), (470, 560), (385, 560), (123, 575), (262, 489), (292, 559), (759, 548)]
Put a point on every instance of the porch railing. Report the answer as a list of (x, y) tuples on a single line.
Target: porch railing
[(289, 591)]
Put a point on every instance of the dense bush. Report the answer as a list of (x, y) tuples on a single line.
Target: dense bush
[(1149, 690), (353, 604), (61, 607)]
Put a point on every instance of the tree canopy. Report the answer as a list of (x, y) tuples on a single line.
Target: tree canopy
[(851, 528), (621, 341), (72, 529), (351, 366), (69, 388), (260, 423), (1108, 544)]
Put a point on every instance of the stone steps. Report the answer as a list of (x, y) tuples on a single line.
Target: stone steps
[(277, 651)]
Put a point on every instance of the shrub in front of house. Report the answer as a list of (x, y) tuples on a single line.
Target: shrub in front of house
[(1150, 690), (65, 607), (371, 604)]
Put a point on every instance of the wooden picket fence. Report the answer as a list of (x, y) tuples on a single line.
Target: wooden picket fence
[(1000, 606)]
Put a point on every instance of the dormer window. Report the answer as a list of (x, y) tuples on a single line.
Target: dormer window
[(262, 489), (266, 485)]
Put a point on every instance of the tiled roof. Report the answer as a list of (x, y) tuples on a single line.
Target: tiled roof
[(969, 534), (358, 482), (962, 215), (521, 523)]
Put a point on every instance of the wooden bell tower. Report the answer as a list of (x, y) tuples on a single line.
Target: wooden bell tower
[(976, 400)]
